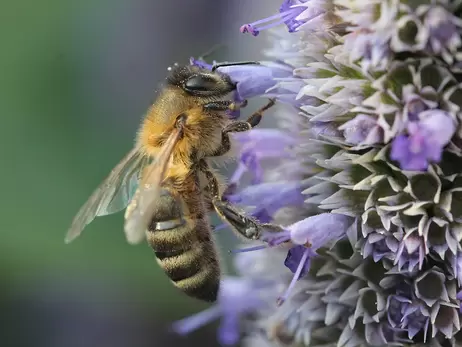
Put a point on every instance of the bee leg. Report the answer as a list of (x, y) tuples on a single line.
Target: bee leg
[(256, 117), (239, 126), (225, 105), (244, 225), (208, 200), (251, 122)]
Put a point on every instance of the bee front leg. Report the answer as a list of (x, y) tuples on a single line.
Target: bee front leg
[(239, 126), (244, 225)]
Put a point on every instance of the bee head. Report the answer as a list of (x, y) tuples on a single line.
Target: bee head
[(200, 82)]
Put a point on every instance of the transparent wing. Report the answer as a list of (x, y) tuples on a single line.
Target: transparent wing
[(113, 195), (124, 192), (139, 214)]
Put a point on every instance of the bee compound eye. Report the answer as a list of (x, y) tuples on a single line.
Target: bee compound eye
[(200, 83)]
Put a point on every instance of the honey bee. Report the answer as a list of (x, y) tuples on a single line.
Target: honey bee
[(167, 185)]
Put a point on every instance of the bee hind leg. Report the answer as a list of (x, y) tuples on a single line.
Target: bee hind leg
[(244, 225)]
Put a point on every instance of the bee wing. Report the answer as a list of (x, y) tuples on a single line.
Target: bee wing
[(112, 196), (139, 213)]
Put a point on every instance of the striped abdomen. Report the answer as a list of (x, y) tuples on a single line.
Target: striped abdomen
[(184, 249)]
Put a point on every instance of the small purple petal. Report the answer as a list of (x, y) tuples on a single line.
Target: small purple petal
[(291, 9), (459, 295), (262, 215), (252, 162), (371, 48), (273, 239), (228, 332), (189, 324), (425, 141), (396, 305), (316, 231), (358, 129), (237, 296), (439, 125), (298, 261), (414, 105), (288, 13), (264, 137), (258, 144), (200, 63), (269, 197), (293, 259), (255, 80), (401, 152), (456, 264), (443, 27), (411, 251)]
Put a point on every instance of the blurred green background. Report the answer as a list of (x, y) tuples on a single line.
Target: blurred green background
[(76, 79)]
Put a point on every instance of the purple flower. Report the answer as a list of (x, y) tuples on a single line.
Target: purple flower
[(237, 296), (291, 13), (365, 80), (266, 199), (255, 80), (456, 264), (371, 48), (404, 313), (444, 29), (411, 252), (415, 104), (317, 231), (200, 63), (362, 129), (269, 197), (298, 261), (269, 79), (378, 246), (425, 140), (259, 144), (298, 257), (309, 235), (313, 232)]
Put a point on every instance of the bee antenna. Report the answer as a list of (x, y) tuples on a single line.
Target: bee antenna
[(211, 51), (218, 65)]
